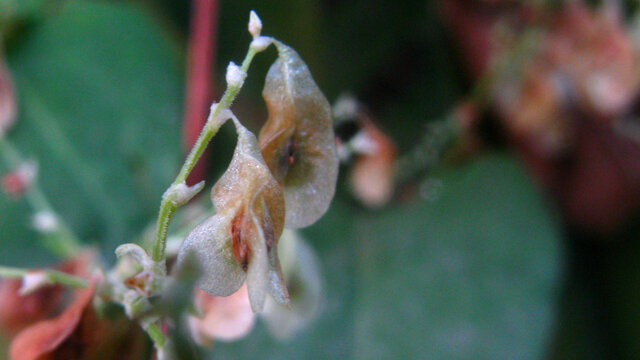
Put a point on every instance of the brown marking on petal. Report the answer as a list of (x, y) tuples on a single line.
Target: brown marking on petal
[(141, 282), (292, 148), (240, 246), (269, 235)]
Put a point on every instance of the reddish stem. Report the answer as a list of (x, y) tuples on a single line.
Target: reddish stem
[(201, 62)]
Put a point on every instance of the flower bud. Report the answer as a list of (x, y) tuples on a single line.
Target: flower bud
[(235, 76), (255, 24)]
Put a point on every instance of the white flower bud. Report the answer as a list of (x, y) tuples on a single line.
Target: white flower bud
[(235, 75), (345, 107), (45, 222), (255, 24)]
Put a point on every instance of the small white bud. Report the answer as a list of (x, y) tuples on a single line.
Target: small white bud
[(45, 222), (33, 281), (235, 75), (260, 43), (345, 107), (255, 24)]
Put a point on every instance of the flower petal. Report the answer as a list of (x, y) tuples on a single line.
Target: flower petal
[(297, 141), (224, 318), (44, 337), (211, 247)]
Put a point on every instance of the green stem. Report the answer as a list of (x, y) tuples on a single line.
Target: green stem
[(9, 272), (62, 242), (167, 206), (156, 335), (53, 276)]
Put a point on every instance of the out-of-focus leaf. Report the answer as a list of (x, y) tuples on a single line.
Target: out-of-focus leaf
[(100, 101), (12, 10), (472, 275)]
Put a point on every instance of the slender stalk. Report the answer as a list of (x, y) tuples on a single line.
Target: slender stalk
[(62, 241), (10, 272), (156, 335), (52, 276), (167, 207)]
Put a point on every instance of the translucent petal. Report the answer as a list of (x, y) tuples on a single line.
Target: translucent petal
[(253, 230), (211, 247), (236, 243), (302, 270), (247, 174), (277, 285), (297, 141)]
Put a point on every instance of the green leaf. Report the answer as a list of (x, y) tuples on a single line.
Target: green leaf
[(100, 93), (472, 275)]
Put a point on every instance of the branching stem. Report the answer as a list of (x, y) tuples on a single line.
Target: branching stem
[(62, 241), (52, 276)]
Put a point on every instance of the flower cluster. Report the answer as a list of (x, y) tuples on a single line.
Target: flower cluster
[(284, 178)]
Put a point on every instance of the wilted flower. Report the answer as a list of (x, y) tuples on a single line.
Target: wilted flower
[(583, 60), (18, 311), (596, 50), (78, 332), (297, 141), (239, 242), (42, 340), (534, 107), (372, 177)]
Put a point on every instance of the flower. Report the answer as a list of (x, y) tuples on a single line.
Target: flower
[(239, 242), (297, 141), (223, 318)]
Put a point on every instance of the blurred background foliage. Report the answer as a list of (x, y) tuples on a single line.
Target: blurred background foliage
[(482, 266)]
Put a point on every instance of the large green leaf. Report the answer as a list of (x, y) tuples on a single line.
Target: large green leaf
[(472, 275), (100, 93)]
